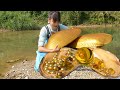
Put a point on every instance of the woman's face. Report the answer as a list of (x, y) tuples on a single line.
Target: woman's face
[(53, 24)]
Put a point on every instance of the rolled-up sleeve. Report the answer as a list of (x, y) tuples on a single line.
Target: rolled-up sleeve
[(42, 37)]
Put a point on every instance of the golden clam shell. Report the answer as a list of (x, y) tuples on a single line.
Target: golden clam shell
[(69, 67), (91, 40), (111, 62), (63, 38)]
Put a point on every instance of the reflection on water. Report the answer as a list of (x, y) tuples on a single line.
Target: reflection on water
[(18, 45)]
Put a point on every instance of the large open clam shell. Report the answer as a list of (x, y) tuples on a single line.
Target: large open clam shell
[(62, 38), (91, 40), (110, 61), (58, 68)]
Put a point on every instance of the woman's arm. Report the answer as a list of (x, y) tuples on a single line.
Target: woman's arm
[(42, 40), (43, 49)]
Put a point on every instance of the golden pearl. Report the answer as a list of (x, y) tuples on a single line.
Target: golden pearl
[(48, 62), (45, 68), (48, 71), (59, 73), (50, 68), (55, 65), (62, 69)]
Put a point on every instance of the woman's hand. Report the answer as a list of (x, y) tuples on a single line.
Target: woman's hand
[(56, 49), (43, 49)]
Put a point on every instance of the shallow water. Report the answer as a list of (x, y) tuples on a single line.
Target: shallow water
[(16, 46)]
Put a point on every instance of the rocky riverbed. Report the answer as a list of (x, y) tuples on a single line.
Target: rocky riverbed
[(25, 70)]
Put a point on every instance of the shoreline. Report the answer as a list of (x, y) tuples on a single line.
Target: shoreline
[(25, 70), (81, 26)]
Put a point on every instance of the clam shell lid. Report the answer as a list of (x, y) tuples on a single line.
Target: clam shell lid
[(109, 59), (91, 40), (63, 38)]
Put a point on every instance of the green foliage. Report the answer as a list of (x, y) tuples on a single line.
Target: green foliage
[(31, 20), (17, 20)]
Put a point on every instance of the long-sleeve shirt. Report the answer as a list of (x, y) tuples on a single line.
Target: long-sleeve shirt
[(43, 33)]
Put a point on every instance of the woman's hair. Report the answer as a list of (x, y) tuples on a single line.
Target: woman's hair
[(55, 15)]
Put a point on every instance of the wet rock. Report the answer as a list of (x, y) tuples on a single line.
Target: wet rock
[(12, 66), (12, 61), (24, 61)]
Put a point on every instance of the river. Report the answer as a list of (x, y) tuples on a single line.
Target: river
[(16, 46)]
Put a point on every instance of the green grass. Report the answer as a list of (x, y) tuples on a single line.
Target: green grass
[(18, 20)]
